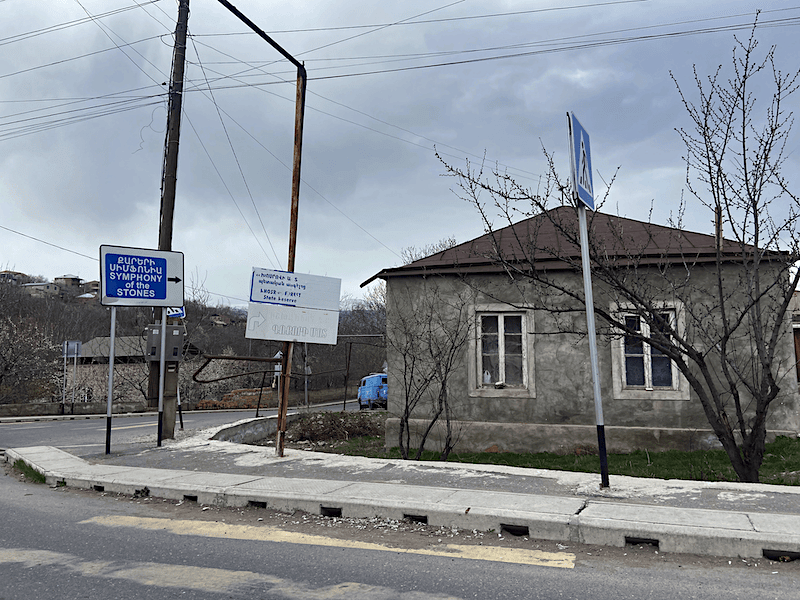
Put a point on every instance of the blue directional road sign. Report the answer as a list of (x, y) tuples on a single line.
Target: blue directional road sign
[(140, 277), (581, 160)]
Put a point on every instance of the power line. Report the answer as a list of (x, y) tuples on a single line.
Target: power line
[(238, 164), (30, 237), (96, 259), (429, 21)]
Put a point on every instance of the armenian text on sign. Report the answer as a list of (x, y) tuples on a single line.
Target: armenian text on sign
[(136, 276), (140, 277), (298, 290), (293, 307)]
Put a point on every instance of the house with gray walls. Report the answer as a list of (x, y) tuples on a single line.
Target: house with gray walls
[(522, 380)]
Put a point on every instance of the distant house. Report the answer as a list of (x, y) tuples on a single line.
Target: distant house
[(13, 277), (71, 285), (220, 320), (127, 349), (522, 384), (42, 290)]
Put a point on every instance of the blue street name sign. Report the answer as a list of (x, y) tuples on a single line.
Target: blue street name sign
[(140, 277)]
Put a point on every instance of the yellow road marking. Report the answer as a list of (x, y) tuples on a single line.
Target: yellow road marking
[(265, 533), (206, 579)]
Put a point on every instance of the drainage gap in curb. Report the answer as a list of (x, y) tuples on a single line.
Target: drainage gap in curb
[(515, 530), (417, 518), (98, 488), (781, 555), (188, 498), (257, 504), (639, 541), (330, 511)]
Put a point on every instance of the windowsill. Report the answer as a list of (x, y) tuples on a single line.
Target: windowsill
[(506, 392), (669, 395)]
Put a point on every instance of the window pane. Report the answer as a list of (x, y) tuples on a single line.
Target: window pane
[(632, 345), (634, 370), (662, 371), (514, 369), (513, 324), (663, 328), (490, 348), (513, 344), (489, 368), (489, 324), (489, 343)]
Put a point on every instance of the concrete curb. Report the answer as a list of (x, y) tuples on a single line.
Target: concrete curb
[(559, 518)]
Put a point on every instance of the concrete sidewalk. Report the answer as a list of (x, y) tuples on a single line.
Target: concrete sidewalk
[(723, 519)]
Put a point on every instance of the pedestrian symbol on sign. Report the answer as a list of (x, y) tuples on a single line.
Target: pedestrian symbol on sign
[(580, 161), (584, 170)]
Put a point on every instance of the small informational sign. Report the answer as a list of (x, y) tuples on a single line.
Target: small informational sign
[(293, 307), (286, 324), (140, 277), (294, 289), (581, 161), (71, 349)]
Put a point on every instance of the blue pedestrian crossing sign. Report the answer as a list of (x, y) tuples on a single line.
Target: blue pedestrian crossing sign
[(581, 161)]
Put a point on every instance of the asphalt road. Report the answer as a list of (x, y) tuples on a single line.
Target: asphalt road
[(63, 543), (86, 437)]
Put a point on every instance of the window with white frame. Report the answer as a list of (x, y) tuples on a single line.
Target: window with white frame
[(647, 367), (501, 350)]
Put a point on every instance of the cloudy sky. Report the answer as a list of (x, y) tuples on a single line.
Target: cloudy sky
[(83, 114)]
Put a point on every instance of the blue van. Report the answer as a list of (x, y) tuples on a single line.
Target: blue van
[(373, 391)]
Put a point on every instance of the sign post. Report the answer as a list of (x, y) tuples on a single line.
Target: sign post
[(71, 349), (292, 307), (140, 277), (581, 163)]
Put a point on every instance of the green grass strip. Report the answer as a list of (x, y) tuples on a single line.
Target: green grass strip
[(29, 472)]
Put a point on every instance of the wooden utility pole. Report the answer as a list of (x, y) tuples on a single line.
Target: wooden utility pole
[(166, 418)]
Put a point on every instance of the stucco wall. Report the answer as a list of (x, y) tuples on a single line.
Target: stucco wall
[(559, 390)]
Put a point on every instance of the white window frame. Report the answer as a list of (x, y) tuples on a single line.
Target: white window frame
[(475, 374), (622, 391)]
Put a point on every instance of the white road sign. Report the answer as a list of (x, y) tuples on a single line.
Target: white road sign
[(287, 324), (293, 307), (294, 289), (140, 277)]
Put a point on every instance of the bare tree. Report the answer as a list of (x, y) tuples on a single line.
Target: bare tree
[(29, 365), (731, 345), (428, 338)]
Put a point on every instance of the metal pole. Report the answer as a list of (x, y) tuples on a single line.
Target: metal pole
[(298, 149), (590, 323), (161, 365), (180, 412), (348, 349), (300, 104), (110, 377), (64, 388), (285, 381), (74, 375), (305, 373)]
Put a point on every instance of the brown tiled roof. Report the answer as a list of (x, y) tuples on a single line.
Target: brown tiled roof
[(622, 241)]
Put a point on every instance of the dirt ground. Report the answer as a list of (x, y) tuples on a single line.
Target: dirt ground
[(330, 431)]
